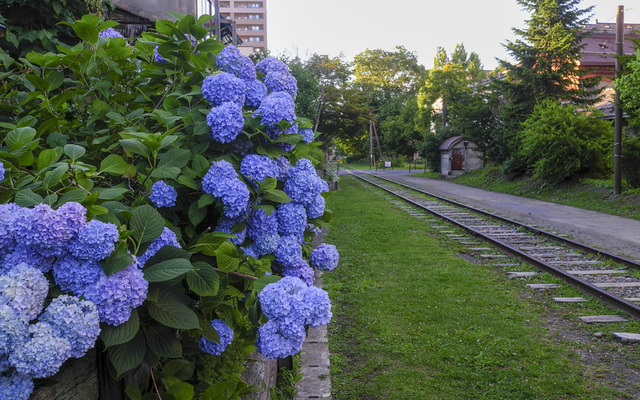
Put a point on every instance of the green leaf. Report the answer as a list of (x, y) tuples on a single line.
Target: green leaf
[(173, 314), (77, 195), (196, 214), (277, 196), (127, 356), (269, 183), (181, 391), (116, 261), (200, 164), (46, 158), (181, 369), (86, 32), (135, 146), (208, 244), (54, 176), (203, 280), (227, 257), (162, 341), (165, 172), (205, 200), (208, 331), (220, 390), (111, 193), (113, 164), (146, 223), (175, 157), (133, 391), (263, 281), (167, 270), (114, 335), (26, 198), (168, 252), (73, 151), (19, 137), (269, 209)]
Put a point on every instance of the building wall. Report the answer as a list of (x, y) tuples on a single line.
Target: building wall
[(251, 22), (472, 158)]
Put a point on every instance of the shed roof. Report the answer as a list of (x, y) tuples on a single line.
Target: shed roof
[(448, 144)]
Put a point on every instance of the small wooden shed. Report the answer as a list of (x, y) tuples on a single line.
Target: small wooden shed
[(458, 155)]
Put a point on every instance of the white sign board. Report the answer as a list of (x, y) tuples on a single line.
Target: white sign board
[(387, 164)]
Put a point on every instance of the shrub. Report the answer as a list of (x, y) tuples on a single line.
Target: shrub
[(120, 186), (559, 141)]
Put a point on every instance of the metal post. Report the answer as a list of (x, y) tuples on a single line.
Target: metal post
[(617, 135), (217, 19)]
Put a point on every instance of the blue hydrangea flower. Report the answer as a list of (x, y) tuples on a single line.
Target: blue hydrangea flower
[(13, 329), (8, 214), (24, 289), (222, 181), (313, 306), (315, 208), (226, 225), (232, 61), (256, 92), (1, 171), (223, 88), (307, 135), (250, 251), (157, 57), (260, 224), (15, 386), (258, 167), (283, 168), (42, 354), (163, 195), (22, 254), (289, 251), (43, 230), (272, 344), (277, 107), (226, 337), (325, 257), (303, 183), (302, 271), (248, 72), (73, 275), (117, 294), (279, 81), (95, 241), (271, 64), (110, 33), (166, 238), (75, 320), (292, 219), (276, 299), (74, 215), (266, 243), (226, 122)]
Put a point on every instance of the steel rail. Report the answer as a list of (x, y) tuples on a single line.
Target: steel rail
[(615, 301)]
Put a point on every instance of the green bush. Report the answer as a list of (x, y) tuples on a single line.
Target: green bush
[(631, 161), (559, 141)]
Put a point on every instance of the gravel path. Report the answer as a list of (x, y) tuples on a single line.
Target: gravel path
[(608, 232)]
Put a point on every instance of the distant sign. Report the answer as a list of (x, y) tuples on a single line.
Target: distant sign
[(387, 164)]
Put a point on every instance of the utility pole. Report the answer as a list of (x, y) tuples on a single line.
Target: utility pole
[(617, 134), (217, 19)]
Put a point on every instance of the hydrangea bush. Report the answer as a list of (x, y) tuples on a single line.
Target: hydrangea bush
[(153, 195)]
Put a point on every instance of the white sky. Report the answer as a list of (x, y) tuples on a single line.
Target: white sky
[(331, 27)]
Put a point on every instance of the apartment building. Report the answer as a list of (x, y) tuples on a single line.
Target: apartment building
[(250, 17)]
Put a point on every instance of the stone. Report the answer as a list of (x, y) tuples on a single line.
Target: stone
[(602, 319), (542, 286), (570, 299), (626, 337), (520, 274)]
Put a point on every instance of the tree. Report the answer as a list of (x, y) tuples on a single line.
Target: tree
[(546, 59), (629, 87), (329, 72), (400, 133)]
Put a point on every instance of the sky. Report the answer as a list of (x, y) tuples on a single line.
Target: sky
[(348, 27)]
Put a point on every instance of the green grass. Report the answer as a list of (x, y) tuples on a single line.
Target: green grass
[(414, 320), (590, 194)]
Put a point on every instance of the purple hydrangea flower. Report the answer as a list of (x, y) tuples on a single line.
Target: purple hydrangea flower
[(163, 195), (15, 386), (222, 181), (95, 241), (292, 219), (325, 257), (8, 214), (279, 81), (226, 122), (313, 305), (223, 88), (22, 254), (302, 271), (315, 208), (74, 215), (43, 230), (255, 93), (307, 135), (226, 337), (157, 57), (226, 225), (270, 64), (289, 251), (273, 344), (42, 355), (266, 243), (258, 167), (232, 61), (110, 33), (283, 168), (260, 224), (75, 320), (166, 238), (303, 183), (118, 294), (1, 171), (24, 289), (276, 298), (277, 107), (13, 329), (73, 275)]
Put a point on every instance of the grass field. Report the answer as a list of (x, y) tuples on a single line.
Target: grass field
[(414, 320)]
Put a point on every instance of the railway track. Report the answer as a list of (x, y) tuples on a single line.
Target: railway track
[(609, 277)]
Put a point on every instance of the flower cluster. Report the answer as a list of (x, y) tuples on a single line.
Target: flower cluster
[(222, 181), (257, 167), (1, 171), (290, 305), (226, 122), (303, 184), (163, 195), (110, 33), (325, 257), (226, 337), (223, 88)]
